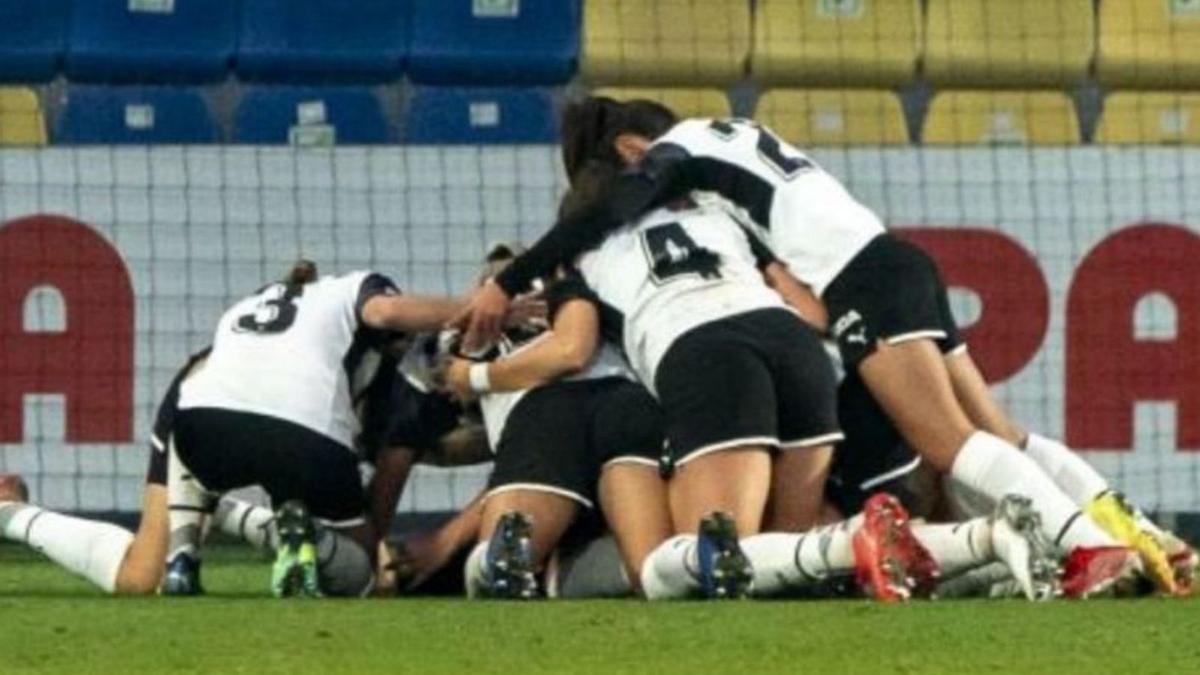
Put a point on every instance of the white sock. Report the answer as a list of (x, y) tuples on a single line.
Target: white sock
[(957, 547), (669, 571), (188, 503), (248, 522), (1070, 472), (473, 577), (785, 561), (89, 548), (989, 465)]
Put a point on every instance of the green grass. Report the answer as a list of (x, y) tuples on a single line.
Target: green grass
[(52, 622)]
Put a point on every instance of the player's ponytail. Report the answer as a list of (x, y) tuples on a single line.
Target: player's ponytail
[(587, 187), (590, 128), (303, 272)]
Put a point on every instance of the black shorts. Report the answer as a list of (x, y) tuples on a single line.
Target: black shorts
[(872, 458), (760, 378), (227, 449), (890, 291), (164, 421), (558, 437)]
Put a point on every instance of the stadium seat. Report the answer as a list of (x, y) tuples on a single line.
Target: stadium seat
[(834, 116), (494, 42), (685, 102), (21, 119), (842, 42), (134, 115), (665, 42), (301, 41), (32, 39), (167, 41), (1150, 118), (1149, 44), (310, 116), (480, 115), (983, 43), (1019, 117)]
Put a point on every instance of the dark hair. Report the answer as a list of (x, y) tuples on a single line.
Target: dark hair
[(588, 187), (590, 127), (303, 272)]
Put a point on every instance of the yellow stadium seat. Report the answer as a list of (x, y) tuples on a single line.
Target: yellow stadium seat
[(1148, 44), (988, 43), (657, 42), (21, 119), (685, 102), (836, 42), (1157, 117), (834, 116), (1015, 117)]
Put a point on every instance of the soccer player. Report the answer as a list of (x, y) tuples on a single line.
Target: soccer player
[(274, 406), (886, 302)]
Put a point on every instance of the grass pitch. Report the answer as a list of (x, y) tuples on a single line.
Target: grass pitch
[(51, 622)]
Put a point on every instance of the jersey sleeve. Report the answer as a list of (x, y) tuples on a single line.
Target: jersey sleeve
[(372, 285), (655, 181), (763, 255), (571, 287)]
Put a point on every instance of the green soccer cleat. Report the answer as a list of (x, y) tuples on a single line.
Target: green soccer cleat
[(295, 570)]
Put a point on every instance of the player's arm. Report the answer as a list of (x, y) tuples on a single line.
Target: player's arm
[(420, 556), (380, 305), (392, 466), (798, 295)]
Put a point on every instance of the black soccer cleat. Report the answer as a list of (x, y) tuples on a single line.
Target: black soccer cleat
[(183, 576), (725, 572), (295, 569), (508, 563)]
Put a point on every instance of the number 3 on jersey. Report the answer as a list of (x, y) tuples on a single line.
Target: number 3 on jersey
[(770, 148), (276, 312), (670, 253)]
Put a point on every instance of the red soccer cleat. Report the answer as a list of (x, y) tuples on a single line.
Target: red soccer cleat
[(890, 564), (13, 488), (1093, 570)]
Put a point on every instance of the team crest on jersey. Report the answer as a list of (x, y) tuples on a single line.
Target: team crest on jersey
[(841, 9)]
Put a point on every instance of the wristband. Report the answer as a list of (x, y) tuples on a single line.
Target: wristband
[(481, 381)]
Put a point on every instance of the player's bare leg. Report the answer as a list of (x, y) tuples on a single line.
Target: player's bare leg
[(797, 489), (141, 570), (634, 500), (519, 529)]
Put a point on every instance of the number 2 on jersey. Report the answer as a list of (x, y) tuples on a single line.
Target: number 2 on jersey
[(671, 253), (770, 148), (275, 314)]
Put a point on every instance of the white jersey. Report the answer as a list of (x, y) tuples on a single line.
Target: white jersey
[(809, 219), (295, 353), (672, 271)]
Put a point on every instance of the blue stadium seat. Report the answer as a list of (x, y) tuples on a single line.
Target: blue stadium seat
[(141, 41), (494, 42), (319, 40), (134, 115), (305, 115), (32, 39), (484, 115)]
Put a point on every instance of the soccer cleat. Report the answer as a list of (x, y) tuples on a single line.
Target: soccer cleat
[(1018, 541), (508, 567), (295, 570), (1184, 562), (1095, 570), (183, 576), (725, 571), (1115, 516), (890, 564)]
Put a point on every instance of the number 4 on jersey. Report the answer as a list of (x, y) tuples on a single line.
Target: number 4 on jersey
[(770, 148), (671, 253)]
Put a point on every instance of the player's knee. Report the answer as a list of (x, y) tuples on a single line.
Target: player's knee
[(344, 565), (138, 577)]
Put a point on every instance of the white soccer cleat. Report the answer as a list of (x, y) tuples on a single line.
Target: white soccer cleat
[(1018, 541)]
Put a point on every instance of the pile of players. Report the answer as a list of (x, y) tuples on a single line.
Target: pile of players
[(654, 390)]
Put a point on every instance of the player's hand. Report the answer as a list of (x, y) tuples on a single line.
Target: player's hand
[(482, 318), (527, 310), (419, 557), (455, 379)]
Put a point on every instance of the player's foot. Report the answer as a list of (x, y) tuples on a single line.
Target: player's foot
[(1115, 516), (1184, 562), (508, 564), (295, 570), (725, 572), (890, 564), (1018, 541), (1096, 570), (183, 576), (13, 488)]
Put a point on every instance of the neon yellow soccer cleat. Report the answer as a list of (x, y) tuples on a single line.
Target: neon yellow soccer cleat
[(1112, 513)]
